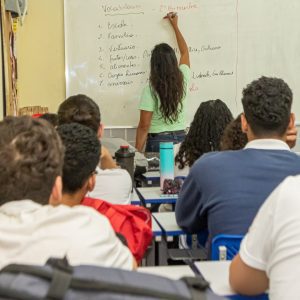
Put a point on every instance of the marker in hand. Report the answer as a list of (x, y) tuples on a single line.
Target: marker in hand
[(171, 15)]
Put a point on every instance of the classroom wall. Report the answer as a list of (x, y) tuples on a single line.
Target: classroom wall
[(40, 53)]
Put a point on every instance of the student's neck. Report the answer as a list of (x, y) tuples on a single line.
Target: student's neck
[(273, 137), (73, 199)]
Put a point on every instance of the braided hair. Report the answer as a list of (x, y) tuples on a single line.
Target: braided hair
[(205, 132)]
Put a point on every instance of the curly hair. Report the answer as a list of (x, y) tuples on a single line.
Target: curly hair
[(31, 157), (205, 132), (80, 109), (51, 118), (267, 106), (233, 137), (166, 82), (82, 155)]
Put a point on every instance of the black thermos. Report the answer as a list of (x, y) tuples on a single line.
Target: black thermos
[(125, 159)]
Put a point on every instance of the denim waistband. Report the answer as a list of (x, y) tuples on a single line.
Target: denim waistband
[(166, 133)]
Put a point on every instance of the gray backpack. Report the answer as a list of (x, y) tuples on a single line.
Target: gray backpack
[(58, 280)]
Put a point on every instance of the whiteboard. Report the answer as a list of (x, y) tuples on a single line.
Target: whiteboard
[(108, 46)]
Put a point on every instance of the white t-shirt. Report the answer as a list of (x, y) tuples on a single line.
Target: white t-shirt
[(31, 233), (112, 185), (273, 241), (179, 172)]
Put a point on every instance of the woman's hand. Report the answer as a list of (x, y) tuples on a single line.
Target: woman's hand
[(173, 18)]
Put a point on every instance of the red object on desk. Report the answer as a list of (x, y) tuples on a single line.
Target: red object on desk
[(133, 222)]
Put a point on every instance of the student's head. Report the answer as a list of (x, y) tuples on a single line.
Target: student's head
[(166, 81), (82, 152), (31, 158), (51, 118), (233, 137), (80, 109), (205, 132), (267, 108)]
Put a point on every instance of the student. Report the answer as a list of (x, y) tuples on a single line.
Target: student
[(82, 153), (210, 120), (81, 158), (269, 256), (204, 135), (51, 118), (112, 183), (233, 137), (224, 190), (163, 102), (31, 231)]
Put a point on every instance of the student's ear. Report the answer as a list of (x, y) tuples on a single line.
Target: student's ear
[(56, 194), (291, 133), (100, 131), (292, 121), (244, 123), (91, 183)]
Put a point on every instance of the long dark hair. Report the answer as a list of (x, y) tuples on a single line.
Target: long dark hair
[(205, 132), (166, 82)]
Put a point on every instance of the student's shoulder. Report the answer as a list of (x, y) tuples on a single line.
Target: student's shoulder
[(115, 172), (214, 162), (186, 71), (146, 101), (146, 93), (80, 213), (184, 68), (217, 156), (289, 189)]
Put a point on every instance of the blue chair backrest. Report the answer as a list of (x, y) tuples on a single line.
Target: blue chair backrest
[(230, 242)]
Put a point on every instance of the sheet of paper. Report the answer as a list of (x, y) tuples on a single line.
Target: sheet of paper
[(217, 274), (172, 272)]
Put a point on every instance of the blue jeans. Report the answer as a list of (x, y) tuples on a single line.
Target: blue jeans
[(153, 139)]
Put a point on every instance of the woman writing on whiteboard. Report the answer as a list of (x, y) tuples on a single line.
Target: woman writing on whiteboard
[(163, 101)]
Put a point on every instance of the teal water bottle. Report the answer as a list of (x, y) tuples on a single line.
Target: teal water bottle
[(166, 154)]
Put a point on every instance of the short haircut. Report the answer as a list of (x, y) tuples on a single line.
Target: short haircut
[(80, 109), (82, 154), (233, 137), (267, 106), (31, 157), (51, 118)]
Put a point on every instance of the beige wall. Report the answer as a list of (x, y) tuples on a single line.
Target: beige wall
[(40, 53)]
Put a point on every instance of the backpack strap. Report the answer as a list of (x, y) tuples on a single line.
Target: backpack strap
[(197, 286), (59, 285), (61, 278)]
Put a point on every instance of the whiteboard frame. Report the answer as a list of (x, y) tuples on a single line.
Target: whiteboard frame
[(65, 54), (2, 95)]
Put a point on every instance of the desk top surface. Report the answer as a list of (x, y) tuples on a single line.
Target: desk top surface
[(216, 272), (168, 222), (213, 271), (152, 195)]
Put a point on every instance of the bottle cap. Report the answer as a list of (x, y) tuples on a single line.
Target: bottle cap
[(124, 147)]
